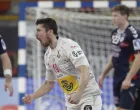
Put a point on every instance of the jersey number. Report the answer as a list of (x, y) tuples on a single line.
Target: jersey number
[(115, 39)]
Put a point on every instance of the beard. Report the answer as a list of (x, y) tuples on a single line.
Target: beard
[(45, 44)]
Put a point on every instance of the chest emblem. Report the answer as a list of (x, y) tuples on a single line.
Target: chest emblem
[(58, 54)]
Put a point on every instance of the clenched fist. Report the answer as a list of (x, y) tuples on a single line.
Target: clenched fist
[(27, 99)]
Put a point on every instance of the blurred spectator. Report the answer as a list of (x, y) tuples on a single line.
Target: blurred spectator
[(9, 29), (4, 6)]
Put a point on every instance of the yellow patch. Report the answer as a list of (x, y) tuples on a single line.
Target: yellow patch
[(68, 84)]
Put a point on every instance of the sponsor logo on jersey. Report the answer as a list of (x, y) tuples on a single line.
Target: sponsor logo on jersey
[(59, 75), (68, 83), (136, 44), (88, 107), (58, 54), (76, 53), (124, 44)]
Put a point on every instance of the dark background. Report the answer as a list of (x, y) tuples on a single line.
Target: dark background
[(9, 11), (10, 37)]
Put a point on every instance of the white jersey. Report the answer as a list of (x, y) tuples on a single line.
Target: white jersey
[(61, 64)]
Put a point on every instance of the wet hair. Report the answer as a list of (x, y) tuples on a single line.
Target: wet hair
[(48, 23), (124, 10)]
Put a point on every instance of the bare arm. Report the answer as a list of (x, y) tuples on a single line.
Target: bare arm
[(84, 77), (6, 63), (108, 67), (44, 89), (135, 67)]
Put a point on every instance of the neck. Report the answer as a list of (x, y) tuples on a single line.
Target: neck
[(124, 26), (53, 43)]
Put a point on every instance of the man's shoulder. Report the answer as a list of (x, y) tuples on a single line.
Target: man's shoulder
[(131, 30), (67, 42)]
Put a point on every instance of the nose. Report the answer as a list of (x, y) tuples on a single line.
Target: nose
[(37, 37)]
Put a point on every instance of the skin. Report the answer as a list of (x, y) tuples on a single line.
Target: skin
[(108, 67), (121, 21), (75, 97), (48, 38), (8, 79)]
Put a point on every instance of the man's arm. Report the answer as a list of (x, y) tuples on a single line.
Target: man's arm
[(134, 69), (84, 77), (6, 63), (108, 67), (44, 89)]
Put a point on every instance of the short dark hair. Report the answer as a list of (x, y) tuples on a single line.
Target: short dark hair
[(48, 23), (122, 9)]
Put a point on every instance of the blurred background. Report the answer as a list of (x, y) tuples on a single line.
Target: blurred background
[(89, 26)]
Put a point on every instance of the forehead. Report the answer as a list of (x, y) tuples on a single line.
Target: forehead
[(40, 26), (116, 13)]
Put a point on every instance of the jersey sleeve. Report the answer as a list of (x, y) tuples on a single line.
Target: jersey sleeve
[(2, 46), (76, 54), (135, 39), (50, 76)]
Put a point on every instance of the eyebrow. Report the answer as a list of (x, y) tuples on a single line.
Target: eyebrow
[(38, 29)]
